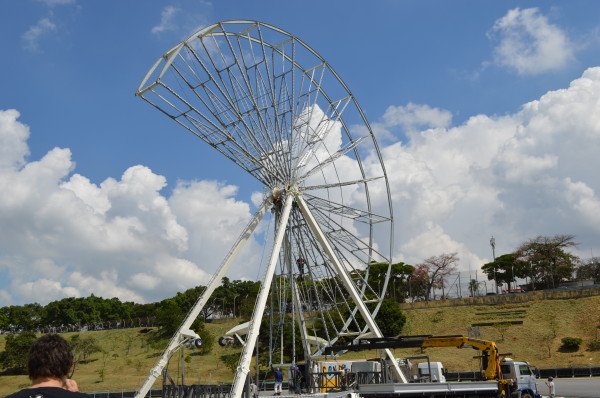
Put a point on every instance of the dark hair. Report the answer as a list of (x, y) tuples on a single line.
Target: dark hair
[(50, 356)]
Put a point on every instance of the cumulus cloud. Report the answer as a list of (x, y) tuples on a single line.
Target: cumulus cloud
[(410, 118), (63, 235), (166, 20), (414, 116), (515, 177), (529, 43), (33, 36), (13, 140)]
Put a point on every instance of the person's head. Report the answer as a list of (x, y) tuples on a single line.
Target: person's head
[(50, 356), (550, 379)]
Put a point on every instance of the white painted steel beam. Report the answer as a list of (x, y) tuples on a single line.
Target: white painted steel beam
[(184, 331), (297, 302), (259, 308), (322, 239)]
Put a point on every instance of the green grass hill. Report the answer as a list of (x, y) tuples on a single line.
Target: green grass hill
[(128, 358)]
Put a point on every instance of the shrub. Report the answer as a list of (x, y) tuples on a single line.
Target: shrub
[(594, 345), (14, 356), (571, 343)]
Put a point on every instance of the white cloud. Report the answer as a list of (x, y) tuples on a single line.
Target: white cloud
[(36, 33), (44, 290), (409, 119), (515, 177), (166, 20), (63, 235), (13, 140), (214, 219), (413, 116), (529, 44), (6, 298)]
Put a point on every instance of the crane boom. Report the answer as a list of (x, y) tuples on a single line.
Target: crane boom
[(490, 360)]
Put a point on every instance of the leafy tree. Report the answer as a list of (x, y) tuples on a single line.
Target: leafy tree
[(169, 316), (208, 339), (419, 283), (245, 293), (505, 269), (547, 260), (82, 348), (85, 310), (473, 288), (282, 331), (4, 319), (398, 287), (437, 269), (60, 312), (14, 356), (390, 318), (231, 361), (502, 327), (547, 340), (589, 269), (27, 317)]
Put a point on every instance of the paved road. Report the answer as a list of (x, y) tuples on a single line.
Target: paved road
[(573, 388)]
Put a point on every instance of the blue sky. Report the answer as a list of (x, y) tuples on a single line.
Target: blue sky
[(484, 112)]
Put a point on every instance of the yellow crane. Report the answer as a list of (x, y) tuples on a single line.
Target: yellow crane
[(490, 358)]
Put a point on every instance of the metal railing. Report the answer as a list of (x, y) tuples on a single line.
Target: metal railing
[(197, 391), (593, 370), (124, 394), (340, 381)]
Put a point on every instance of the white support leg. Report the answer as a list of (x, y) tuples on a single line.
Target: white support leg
[(297, 302), (322, 239), (184, 331), (259, 308)]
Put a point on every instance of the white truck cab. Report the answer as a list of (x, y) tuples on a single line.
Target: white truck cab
[(433, 369), (524, 380)]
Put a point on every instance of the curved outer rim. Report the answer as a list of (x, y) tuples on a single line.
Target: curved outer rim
[(171, 54)]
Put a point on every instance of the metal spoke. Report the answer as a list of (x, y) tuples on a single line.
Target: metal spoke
[(276, 108)]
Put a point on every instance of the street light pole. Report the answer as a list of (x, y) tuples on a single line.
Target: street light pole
[(493, 244), (222, 307), (234, 297)]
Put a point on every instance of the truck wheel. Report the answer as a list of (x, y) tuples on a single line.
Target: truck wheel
[(526, 395)]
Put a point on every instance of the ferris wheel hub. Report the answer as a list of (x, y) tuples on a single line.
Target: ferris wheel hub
[(277, 192)]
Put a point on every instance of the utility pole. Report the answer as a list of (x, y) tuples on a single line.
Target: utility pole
[(493, 244)]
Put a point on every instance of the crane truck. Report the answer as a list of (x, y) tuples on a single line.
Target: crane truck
[(501, 377)]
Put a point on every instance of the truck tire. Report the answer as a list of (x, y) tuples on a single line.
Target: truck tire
[(526, 395)]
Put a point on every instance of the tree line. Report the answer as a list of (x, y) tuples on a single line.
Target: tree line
[(544, 262), (232, 298)]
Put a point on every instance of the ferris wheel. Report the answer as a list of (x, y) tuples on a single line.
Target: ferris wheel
[(272, 105)]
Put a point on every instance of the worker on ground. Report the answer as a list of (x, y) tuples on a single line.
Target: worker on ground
[(278, 380), (551, 389), (296, 376), (344, 379)]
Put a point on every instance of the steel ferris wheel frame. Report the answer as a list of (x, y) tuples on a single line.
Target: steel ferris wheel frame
[(276, 108)]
